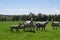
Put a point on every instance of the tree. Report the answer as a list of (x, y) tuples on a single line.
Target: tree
[(32, 15), (49, 17), (58, 18), (39, 17)]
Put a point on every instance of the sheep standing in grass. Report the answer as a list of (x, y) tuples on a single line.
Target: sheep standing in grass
[(41, 25), (55, 24), (15, 27), (23, 26), (28, 24)]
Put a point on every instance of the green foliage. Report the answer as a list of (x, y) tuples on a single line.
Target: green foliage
[(39, 17)]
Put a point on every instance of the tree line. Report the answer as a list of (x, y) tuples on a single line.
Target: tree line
[(39, 17)]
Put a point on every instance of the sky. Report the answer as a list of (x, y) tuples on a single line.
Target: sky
[(22, 7)]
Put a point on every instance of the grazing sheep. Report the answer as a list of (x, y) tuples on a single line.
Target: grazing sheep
[(15, 27), (28, 24), (55, 24), (41, 25)]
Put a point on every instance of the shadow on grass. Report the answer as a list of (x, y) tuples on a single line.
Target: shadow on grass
[(30, 31), (14, 32), (44, 30)]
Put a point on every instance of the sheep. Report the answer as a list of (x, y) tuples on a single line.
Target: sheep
[(15, 27), (41, 25), (28, 24), (55, 24)]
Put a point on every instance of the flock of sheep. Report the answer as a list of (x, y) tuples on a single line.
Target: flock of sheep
[(32, 26)]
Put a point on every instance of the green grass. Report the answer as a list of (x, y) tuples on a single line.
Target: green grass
[(49, 34)]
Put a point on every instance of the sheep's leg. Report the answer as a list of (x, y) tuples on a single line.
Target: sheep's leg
[(24, 29), (53, 27), (36, 28), (17, 30), (27, 28), (39, 28), (56, 27), (44, 28), (33, 27), (12, 29)]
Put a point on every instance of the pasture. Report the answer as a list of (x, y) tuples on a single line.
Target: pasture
[(49, 34)]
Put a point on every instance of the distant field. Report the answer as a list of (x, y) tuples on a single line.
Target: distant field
[(49, 34)]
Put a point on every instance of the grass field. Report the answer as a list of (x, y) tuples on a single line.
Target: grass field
[(49, 34)]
